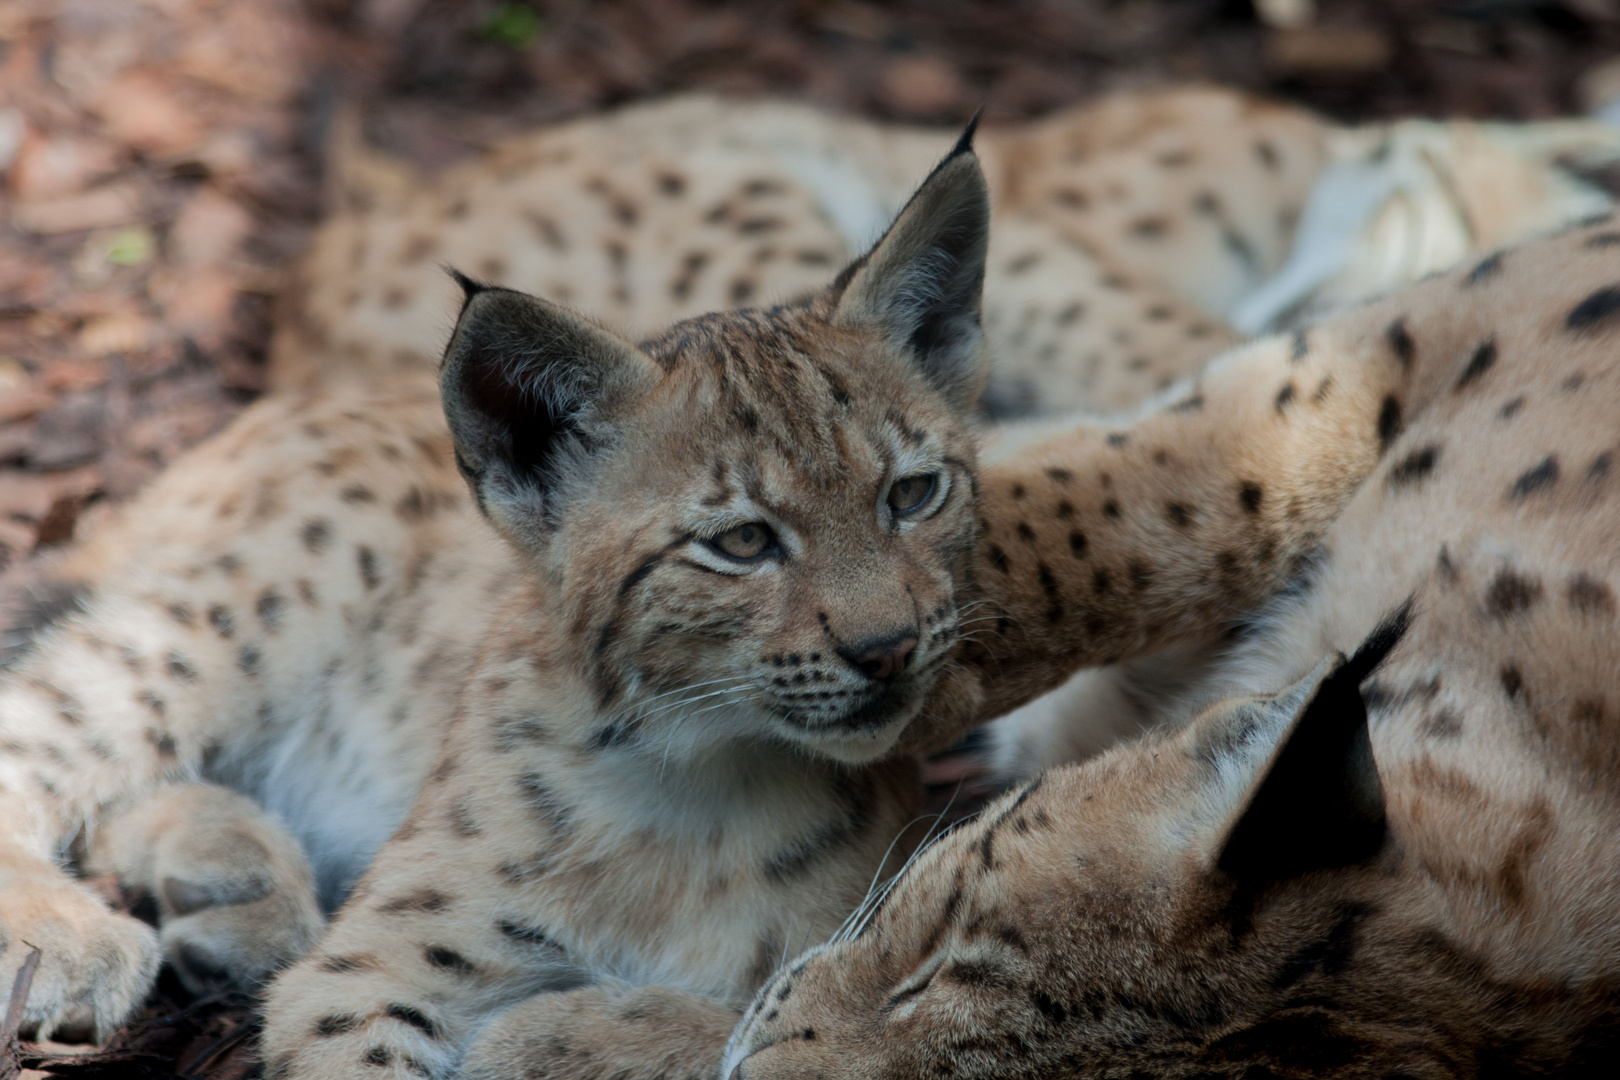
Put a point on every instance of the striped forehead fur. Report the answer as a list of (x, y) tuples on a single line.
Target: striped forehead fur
[(773, 380)]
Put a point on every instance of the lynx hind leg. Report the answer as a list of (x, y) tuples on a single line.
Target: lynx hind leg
[(234, 891), (95, 965), (602, 1031)]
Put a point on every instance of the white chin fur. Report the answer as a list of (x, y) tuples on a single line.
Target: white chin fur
[(853, 749)]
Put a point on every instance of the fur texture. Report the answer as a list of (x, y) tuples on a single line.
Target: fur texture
[(1294, 883)]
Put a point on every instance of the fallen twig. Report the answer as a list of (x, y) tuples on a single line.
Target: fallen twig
[(10, 1051)]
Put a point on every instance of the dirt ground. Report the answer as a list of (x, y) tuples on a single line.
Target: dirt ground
[(161, 165)]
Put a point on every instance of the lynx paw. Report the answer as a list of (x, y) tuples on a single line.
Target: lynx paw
[(95, 965), (233, 888), (607, 1030)]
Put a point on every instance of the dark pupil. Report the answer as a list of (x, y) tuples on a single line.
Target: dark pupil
[(745, 535), (909, 492)]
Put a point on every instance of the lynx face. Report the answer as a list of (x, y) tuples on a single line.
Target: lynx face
[(1103, 920), (756, 523)]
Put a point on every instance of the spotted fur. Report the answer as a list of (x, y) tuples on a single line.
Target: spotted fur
[(1404, 871), (606, 751), (1123, 231)]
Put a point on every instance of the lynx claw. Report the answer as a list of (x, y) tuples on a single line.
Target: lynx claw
[(96, 965)]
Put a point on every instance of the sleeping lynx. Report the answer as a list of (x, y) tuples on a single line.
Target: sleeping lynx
[(301, 609)]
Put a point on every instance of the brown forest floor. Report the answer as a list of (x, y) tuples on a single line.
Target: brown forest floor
[(160, 165)]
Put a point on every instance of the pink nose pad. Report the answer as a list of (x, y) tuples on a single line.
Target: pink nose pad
[(882, 660)]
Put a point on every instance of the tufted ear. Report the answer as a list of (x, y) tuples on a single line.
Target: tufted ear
[(922, 283), (529, 390), (1302, 788)]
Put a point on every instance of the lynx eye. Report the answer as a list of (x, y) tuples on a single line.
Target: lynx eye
[(745, 542), (909, 494)]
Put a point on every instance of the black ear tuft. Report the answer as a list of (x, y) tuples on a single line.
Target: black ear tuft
[(529, 390), (1385, 636), (964, 145), (1317, 801), (469, 287), (922, 283)]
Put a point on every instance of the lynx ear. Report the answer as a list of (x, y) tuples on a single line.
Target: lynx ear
[(1307, 793), (922, 283), (528, 389)]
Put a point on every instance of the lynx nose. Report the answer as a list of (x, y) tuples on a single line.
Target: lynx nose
[(881, 658)]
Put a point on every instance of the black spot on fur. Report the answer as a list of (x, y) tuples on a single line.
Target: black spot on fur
[(1054, 598), (1511, 407), (1327, 955), (343, 965), (1111, 509), (1117, 439), (357, 494), (1149, 228), (977, 973), (615, 734), (1543, 475), (1481, 362), (1443, 724), (1190, 404), (181, 668), (1250, 495), (1484, 270), (1445, 567), (378, 1056), (1512, 680), (1400, 342), (1025, 533), (248, 658), (1590, 596), (370, 574), (336, 1024), (1298, 347), (1414, 467), (1594, 311), (424, 902), (271, 605), (446, 959), (1052, 1010), (1285, 396), (1297, 1042), (1180, 516), (545, 804), (1511, 593), (521, 932), (1077, 544), (316, 534), (407, 1015), (1389, 422)]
